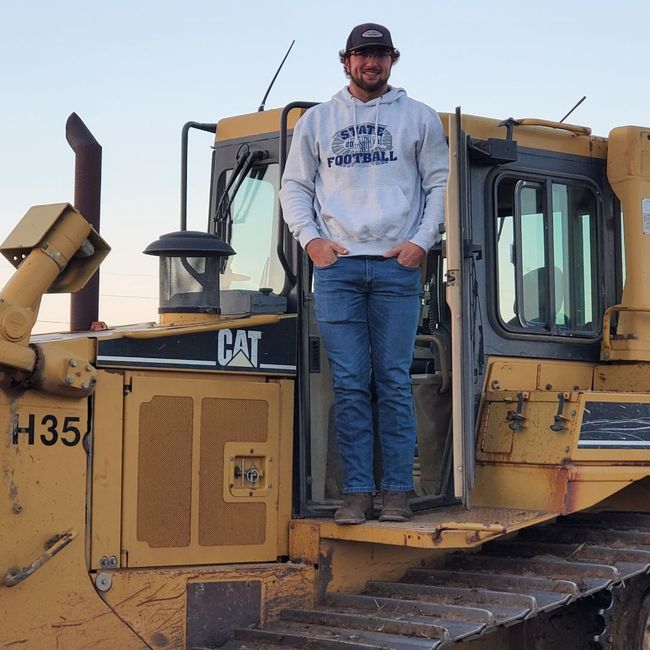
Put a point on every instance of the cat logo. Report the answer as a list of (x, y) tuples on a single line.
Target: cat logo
[(238, 349)]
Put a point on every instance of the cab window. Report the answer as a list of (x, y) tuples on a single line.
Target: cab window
[(547, 262), (251, 218)]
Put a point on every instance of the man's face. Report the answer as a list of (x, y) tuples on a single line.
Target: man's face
[(369, 68)]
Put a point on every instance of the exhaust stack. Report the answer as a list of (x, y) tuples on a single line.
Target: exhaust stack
[(84, 306), (628, 172)]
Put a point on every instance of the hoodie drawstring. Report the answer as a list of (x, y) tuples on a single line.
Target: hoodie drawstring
[(355, 137), (376, 146)]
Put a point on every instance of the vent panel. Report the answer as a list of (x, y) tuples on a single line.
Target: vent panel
[(228, 420), (165, 471)]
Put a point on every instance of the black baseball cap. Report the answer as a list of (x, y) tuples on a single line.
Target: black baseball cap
[(369, 35)]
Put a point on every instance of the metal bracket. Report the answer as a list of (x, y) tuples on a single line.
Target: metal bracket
[(510, 123), (493, 151)]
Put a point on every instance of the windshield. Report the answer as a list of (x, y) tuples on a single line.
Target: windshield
[(253, 232)]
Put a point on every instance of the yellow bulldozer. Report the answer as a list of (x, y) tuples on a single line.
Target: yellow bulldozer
[(172, 485)]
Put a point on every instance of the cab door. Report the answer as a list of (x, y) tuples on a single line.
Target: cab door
[(461, 258)]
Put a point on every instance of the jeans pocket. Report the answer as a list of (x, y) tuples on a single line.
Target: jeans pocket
[(406, 268), (329, 266)]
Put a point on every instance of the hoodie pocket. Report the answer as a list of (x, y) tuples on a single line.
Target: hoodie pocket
[(366, 214)]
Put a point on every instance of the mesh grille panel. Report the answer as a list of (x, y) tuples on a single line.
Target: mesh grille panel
[(222, 523), (165, 471)]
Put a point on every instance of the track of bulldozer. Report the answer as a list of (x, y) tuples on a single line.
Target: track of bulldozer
[(544, 568)]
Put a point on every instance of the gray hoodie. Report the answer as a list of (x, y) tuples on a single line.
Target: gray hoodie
[(366, 175)]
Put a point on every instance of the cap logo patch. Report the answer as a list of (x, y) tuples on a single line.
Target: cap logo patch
[(372, 33)]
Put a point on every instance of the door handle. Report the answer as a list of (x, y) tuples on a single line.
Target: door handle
[(15, 574)]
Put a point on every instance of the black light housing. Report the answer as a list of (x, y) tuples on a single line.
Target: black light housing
[(190, 263)]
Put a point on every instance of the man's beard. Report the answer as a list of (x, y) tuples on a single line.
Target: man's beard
[(367, 86)]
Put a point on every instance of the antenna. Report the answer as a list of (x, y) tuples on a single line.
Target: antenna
[(277, 72), (574, 108)]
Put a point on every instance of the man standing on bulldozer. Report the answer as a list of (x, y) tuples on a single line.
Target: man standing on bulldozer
[(363, 193)]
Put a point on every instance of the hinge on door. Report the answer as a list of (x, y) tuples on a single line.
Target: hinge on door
[(470, 249), (314, 354)]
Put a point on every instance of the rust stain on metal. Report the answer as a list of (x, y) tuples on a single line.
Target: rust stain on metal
[(558, 483), (148, 601), (124, 601)]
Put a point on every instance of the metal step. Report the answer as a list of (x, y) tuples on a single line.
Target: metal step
[(410, 606), (628, 561), (472, 594), (503, 607), (546, 593), (306, 636)]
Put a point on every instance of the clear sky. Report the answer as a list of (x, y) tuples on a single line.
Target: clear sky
[(136, 70)]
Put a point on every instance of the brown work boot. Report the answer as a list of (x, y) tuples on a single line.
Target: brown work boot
[(355, 509), (396, 507)]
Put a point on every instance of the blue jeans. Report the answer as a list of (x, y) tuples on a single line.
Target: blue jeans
[(367, 311)]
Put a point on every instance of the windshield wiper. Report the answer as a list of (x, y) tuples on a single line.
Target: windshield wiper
[(239, 173)]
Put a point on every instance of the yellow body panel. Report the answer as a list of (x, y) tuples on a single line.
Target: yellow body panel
[(57, 605), (534, 137), (511, 374), (627, 378), (241, 126), (628, 171), (527, 464), (195, 525), (520, 486), (106, 521), (345, 566), (564, 488), (154, 602)]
